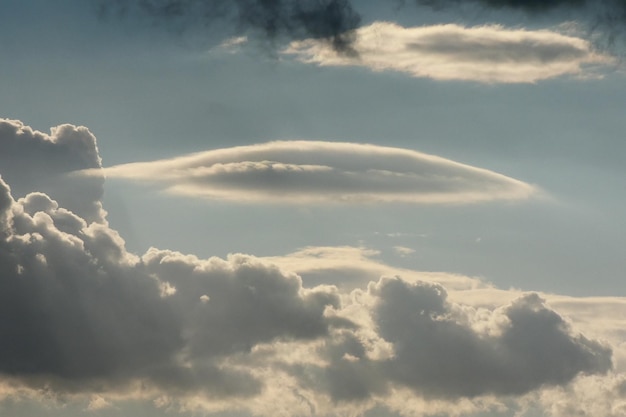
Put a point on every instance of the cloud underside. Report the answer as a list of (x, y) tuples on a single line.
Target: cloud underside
[(83, 319), (308, 171), (487, 54)]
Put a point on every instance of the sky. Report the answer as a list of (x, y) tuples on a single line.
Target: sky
[(312, 208)]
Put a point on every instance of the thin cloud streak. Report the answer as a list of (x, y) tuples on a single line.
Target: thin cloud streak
[(486, 54), (300, 172)]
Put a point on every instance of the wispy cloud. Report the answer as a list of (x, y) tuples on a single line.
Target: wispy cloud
[(322, 172), (487, 54)]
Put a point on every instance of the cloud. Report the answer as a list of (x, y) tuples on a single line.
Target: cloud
[(321, 172), (34, 161), (330, 21), (487, 54), (78, 311), (403, 251), (79, 314), (335, 22), (352, 268), (436, 351), (83, 319)]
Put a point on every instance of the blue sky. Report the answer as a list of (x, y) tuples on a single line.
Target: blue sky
[(492, 190)]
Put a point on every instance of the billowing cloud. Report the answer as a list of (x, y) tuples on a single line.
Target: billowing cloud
[(308, 171), (488, 54), (84, 319), (78, 313), (436, 351), (34, 161), (77, 308)]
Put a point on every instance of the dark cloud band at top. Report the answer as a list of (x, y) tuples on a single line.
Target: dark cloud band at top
[(332, 20), (335, 21)]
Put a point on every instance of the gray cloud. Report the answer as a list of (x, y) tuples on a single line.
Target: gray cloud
[(34, 161), (605, 20), (76, 309), (438, 355), (314, 171), (437, 352)]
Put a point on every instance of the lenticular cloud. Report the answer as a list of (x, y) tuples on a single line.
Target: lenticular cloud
[(323, 172), (486, 54)]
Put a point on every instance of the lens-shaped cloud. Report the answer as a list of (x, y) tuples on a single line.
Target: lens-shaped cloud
[(321, 172), (489, 54)]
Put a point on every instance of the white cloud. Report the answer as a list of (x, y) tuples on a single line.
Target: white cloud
[(315, 172), (403, 251), (488, 54)]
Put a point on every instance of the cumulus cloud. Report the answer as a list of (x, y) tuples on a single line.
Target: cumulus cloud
[(83, 318), (79, 314), (488, 54), (437, 352), (76, 307), (35, 161), (331, 21), (310, 171)]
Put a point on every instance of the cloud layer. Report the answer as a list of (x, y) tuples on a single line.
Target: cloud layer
[(84, 319), (308, 171), (489, 54)]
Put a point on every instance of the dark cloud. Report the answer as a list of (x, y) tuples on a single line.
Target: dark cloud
[(336, 20), (437, 353), (78, 311), (528, 5), (605, 19), (80, 315), (332, 20)]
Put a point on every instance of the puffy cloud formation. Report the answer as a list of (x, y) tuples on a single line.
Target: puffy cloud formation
[(34, 161), (75, 307), (488, 54), (82, 318), (309, 171), (437, 351), (77, 311)]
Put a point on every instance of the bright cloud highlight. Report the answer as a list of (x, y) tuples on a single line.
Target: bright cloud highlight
[(322, 172), (487, 54)]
